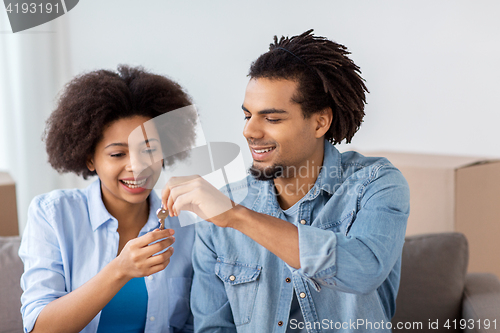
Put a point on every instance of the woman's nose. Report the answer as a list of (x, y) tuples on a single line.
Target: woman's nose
[(138, 163)]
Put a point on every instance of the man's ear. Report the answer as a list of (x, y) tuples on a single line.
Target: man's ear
[(90, 164), (323, 121)]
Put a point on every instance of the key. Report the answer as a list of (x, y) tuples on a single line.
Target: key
[(162, 214)]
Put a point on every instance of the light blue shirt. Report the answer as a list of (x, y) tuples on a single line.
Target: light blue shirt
[(351, 228), (70, 237)]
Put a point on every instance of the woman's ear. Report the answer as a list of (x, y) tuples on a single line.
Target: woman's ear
[(90, 164)]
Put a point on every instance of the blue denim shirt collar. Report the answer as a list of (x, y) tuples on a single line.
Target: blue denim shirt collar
[(100, 215), (330, 176), (328, 180)]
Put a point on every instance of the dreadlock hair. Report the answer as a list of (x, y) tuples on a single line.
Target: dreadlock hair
[(326, 78)]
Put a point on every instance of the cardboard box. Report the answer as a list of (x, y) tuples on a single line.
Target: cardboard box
[(455, 193), (8, 208)]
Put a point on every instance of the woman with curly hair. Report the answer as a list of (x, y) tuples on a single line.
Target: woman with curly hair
[(95, 259)]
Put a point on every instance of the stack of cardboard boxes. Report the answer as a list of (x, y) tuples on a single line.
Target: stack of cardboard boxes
[(8, 207), (453, 193)]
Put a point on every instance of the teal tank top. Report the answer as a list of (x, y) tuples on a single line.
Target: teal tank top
[(127, 311)]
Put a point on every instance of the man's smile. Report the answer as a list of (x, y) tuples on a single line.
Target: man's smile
[(261, 153)]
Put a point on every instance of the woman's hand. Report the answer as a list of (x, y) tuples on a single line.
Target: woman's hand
[(138, 259), (73, 311), (196, 195)]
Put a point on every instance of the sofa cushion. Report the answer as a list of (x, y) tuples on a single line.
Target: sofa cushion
[(11, 269), (433, 274)]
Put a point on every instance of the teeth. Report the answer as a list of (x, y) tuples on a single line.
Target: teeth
[(134, 183), (263, 150)]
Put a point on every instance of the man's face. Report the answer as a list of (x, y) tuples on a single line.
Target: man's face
[(278, 136)]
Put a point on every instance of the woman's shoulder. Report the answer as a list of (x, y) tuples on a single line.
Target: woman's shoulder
[(56, 200), (60, 197)]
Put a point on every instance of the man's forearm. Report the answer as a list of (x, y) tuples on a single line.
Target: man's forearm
[(278, 236)]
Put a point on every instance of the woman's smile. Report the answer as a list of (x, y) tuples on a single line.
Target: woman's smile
[(136, 186)]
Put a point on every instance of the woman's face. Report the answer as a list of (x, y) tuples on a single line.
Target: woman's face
[(128, 160)]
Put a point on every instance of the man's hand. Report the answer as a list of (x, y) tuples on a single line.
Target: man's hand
[(196, 195)]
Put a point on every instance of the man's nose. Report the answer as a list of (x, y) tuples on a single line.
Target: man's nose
[(252, 129)]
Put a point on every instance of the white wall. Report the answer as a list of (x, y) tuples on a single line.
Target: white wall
[(431, 66)]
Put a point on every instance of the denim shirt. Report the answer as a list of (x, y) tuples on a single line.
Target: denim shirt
[(70, 236), (351, 228)]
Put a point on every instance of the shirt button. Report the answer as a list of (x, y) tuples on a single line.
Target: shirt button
[(152, 318), (288, 280), (150, 278), (302, 295), (280, 323), (232, 278), (303, 221)]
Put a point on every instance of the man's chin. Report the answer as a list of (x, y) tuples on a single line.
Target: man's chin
[(267, 173)]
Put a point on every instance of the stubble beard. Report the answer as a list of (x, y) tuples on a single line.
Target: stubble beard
[(268, 173)]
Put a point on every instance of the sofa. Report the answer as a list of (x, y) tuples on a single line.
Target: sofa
[(11, 268), (434, 289)]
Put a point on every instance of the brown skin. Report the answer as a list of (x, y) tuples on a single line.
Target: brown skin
[(114, 160), (299, 143), (72, 312)]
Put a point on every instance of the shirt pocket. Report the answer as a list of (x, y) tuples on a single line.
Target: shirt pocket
[(241, 282), (178, 301), (342, 225)]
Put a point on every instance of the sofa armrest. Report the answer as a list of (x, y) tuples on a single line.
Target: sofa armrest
[(481, 302), (11, 269)]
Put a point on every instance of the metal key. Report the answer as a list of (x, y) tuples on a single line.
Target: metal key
[(162, 214)]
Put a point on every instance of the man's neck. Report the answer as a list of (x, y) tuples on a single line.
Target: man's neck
[(290, 189)]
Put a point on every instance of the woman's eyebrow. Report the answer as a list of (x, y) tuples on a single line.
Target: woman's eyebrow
[(120, 144), (147, 141)]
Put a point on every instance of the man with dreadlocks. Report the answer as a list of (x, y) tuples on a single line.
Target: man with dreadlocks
[(315, 244)]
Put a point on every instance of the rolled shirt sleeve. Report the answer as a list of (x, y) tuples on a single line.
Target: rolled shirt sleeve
[(43, 279), (361, 258)]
